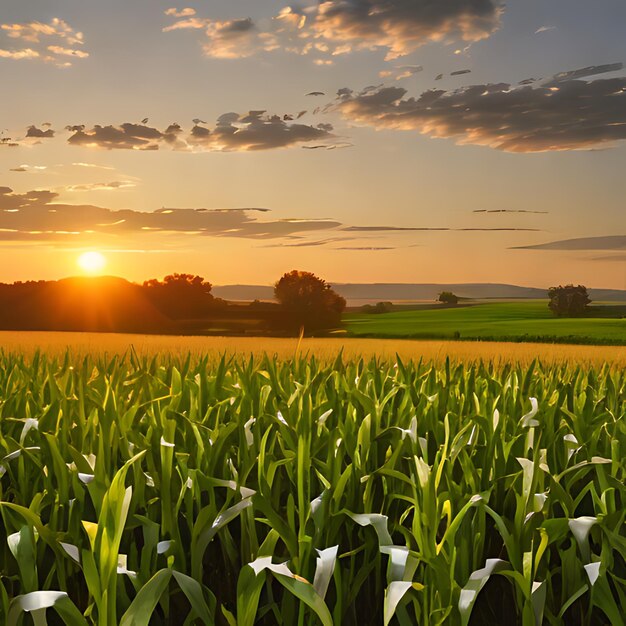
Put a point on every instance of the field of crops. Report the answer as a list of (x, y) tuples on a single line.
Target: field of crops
[(157, 490), (325, 349), (498, 321)]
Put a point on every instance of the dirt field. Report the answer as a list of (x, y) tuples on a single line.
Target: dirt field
[(94, 343)]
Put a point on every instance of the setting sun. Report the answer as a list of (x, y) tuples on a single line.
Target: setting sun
[(91, 262)]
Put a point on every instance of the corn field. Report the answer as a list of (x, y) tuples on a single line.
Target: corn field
[(142, 490)]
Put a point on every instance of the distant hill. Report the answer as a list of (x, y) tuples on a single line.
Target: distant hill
[(364, 293)]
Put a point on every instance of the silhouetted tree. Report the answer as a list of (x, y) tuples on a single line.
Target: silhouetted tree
[(568, 300), (308, 301), (447, 297), (181, 296)]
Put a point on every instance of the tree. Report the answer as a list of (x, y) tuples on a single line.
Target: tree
[(447, 297), (308, 301), (568, 300), (181, 296)]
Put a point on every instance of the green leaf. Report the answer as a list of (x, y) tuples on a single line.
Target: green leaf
[(39, 601), (141, 608), (477, 580)]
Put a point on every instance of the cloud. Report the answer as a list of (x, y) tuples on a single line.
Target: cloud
[(609, 242), (128, 136), (33, 131), (38, 215), (231, 39), (401, 26), (227, 39), (334, 27), (308, 244), (562, 114), (591, 70), (52, 42), (401, 72), (544, 29), (93, 166), (187, 12), (510, 211), (28, 168), (253, 131), (434, 228), (17, 55), (112, 186), (68, 52), (367, 248)]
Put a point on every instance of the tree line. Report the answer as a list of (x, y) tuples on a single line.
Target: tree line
[(303, 301)]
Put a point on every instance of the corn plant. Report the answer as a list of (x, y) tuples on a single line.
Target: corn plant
[(194, 490)]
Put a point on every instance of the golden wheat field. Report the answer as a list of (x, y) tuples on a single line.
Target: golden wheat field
[(326, 348)]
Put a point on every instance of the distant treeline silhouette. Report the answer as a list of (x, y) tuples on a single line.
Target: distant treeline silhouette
[(180, 303)]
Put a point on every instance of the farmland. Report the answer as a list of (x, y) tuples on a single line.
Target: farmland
[(325, 349), (153, 486), (499, 321)]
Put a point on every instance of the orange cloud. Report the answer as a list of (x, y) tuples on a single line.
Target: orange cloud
[(49, 42), (336, 27)]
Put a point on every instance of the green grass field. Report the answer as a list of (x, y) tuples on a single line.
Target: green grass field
[(499, 321)]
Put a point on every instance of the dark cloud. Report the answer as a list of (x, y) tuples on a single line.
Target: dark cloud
[(367, 248), (592, 70), (334, 27), (609, 242), (560, 115), (125, 137), (404, 25), (29, 168), (38, 133), (40, 215), (427, 229), (256, 130), (373, 229), (510, 211), (228, 39)]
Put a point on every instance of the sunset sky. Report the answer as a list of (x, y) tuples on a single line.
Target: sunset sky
[(364, 140)]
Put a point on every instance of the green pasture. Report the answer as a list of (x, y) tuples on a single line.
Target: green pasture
[(499, 321)]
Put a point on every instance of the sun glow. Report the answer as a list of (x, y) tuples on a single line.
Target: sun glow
[(91, 262)]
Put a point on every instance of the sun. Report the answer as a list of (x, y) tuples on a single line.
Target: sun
[(92, 262)]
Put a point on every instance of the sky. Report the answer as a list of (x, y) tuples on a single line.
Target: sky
[(363, 140)]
